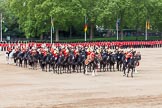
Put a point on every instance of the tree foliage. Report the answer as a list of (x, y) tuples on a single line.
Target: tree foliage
[(34, 16)]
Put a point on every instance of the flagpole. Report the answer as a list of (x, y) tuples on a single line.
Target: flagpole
[(146, 30), (117, 29), (85, 32), (51, 30), (146, 34), (1, 26), (117, 32)]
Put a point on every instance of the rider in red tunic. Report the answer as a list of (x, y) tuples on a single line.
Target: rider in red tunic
[(128, 56)]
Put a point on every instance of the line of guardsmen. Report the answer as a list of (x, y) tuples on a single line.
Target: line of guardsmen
[(4, 46)]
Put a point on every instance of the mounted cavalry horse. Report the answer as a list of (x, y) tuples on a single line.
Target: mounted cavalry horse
[(104, 60), (131, 62), (111, 61), (32, 58), (92, 60), (119, 60)]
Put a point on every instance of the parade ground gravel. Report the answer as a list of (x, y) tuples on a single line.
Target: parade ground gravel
[(27, 88)]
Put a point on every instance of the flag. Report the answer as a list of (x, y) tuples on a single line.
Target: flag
[(4, 26), (52, 24), (147, 24), (117, 24), (85, 27)]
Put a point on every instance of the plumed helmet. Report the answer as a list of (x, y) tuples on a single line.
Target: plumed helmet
[(33, 48)]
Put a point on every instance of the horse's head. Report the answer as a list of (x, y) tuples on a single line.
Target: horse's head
[(138, 56), (132, 62)]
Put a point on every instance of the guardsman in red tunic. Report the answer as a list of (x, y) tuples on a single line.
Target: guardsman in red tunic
[(9, 49)]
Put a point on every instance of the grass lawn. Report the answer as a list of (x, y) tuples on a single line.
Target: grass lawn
[(114, 39)]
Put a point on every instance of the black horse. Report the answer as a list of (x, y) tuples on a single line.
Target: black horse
[(131, 66), (15, 56), (59, 64), (33, 60), (25, 58), (111, 61), (20, 56), (46, 62), (119, 60), (103, 62)]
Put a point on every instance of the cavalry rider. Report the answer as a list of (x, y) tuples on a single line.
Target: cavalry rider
[(76, 52), (65, 51), (128, 56), (23, 50), (33, 51), (92, 54), (54, 52), (116, 50), (45, 52), (88, 52)]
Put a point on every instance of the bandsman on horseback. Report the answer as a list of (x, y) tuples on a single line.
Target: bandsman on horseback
[(128, 56)]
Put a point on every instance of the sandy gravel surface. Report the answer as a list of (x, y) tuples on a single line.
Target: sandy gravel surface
[(25, 88)]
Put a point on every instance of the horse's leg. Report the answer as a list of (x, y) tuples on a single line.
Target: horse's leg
[(64, 70), (128, 72), (101, 67), (20, 63), (49, 67), (33, 65), (120, 67), (124, 71), (36, 64), (53, 67), (80, 67), (56, 68), (93, 70), (117, 66), (69, 68), (90, 66), (60, 69), (77, 67), (96, 69), (135, 70), (114, 67), (86, 69), (110, 67), (104, 67), (46, 66), (41, 65), (24, 63), (132, 72)]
